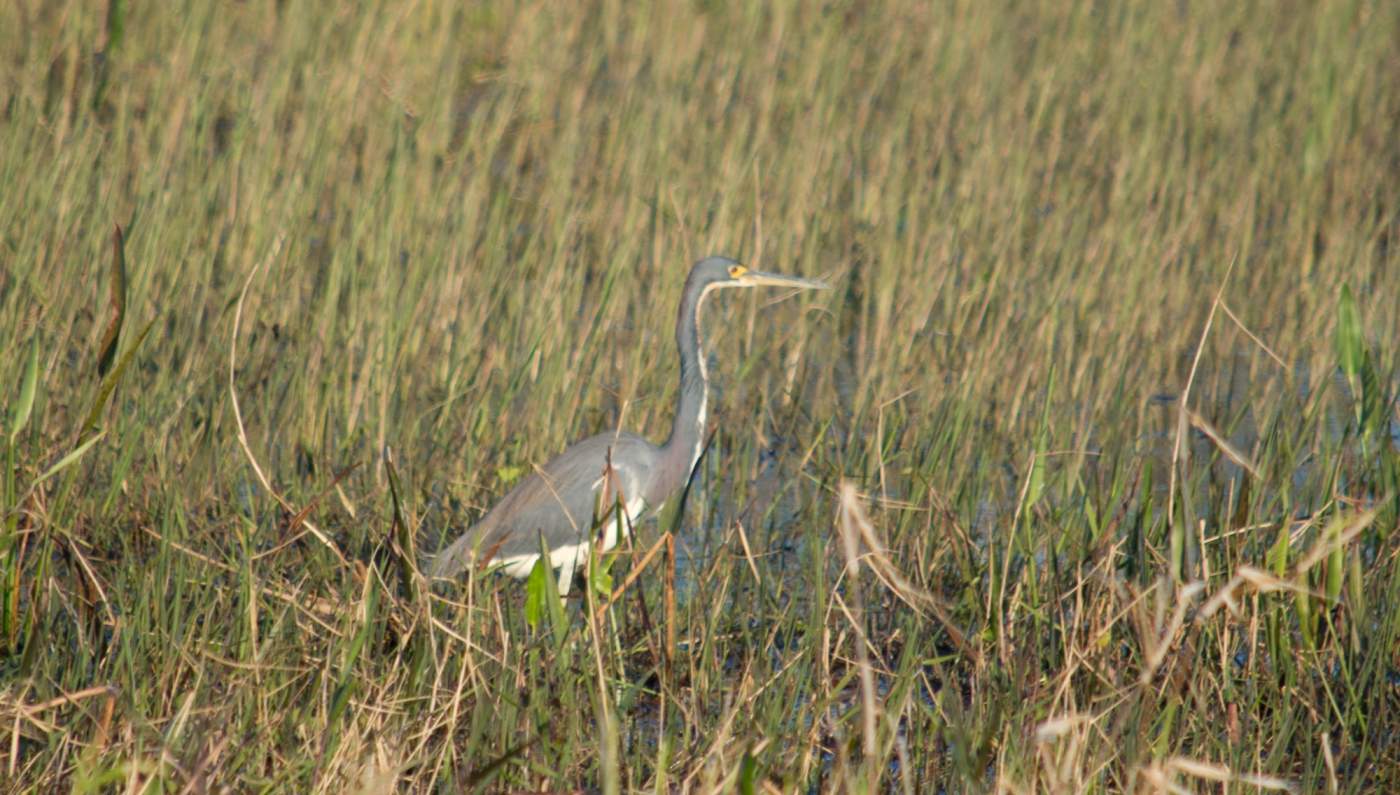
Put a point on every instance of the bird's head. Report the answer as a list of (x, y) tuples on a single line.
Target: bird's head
[(718, 272)]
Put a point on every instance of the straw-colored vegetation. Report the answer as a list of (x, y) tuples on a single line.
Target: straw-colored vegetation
[(1109, 365)]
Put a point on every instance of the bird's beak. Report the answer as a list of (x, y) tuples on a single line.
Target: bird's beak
[(762, 279)]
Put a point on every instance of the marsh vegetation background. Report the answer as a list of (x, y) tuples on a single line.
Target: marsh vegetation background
[(1110, 361)]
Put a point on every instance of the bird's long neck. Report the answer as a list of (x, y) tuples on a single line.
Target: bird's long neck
[(682, 447)]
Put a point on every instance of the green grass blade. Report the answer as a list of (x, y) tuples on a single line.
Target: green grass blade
[(109, 383), (69, 459)]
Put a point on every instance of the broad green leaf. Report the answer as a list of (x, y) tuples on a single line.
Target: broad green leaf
[(1336, 565), (748, 775), (20, 416), (116, 24), (1356, 590), (535, 595), (1351, 345), (1278, 554), (599, 578)]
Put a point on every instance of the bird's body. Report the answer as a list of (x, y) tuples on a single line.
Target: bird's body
[(558, 502)]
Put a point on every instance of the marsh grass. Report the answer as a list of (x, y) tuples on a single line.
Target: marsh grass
[(1107, 410)]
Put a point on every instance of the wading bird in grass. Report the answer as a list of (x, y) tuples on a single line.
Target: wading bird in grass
[(614, 471)]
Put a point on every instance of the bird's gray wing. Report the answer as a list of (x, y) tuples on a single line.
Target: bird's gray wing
[(557, 501)]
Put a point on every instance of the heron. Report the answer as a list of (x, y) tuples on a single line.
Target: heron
[(554, 508)]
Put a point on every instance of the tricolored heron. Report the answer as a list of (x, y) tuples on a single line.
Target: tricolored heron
[(559, 501)]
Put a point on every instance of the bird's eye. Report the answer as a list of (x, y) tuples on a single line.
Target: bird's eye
[(735, 271)]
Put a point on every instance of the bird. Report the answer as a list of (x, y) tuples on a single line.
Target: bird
[(612, 471)]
